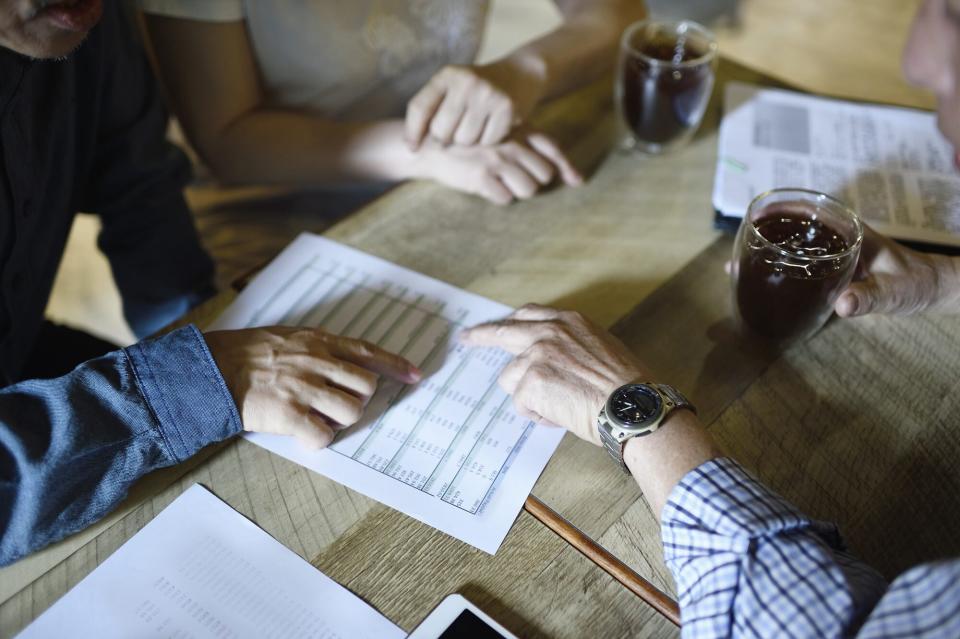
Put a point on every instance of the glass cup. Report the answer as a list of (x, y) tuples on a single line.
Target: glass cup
[(795, 252), (664, 81)]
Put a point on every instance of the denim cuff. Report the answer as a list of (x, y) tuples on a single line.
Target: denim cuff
[(186, 393)]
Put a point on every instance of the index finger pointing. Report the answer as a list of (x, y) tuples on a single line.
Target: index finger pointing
[(376, 359)]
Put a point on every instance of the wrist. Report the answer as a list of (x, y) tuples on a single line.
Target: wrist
[(678, 425), (604, 394), (660, 460), (524, 76), (379, 150), (423, 163)]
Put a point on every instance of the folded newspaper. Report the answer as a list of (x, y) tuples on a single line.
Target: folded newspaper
[(889, 164)]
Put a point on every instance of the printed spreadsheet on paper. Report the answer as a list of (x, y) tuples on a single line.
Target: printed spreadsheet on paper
[(449, 451)]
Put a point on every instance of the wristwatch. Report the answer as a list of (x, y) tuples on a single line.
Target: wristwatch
[(634, 410)]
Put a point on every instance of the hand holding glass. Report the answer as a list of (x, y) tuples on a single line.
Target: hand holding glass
[(796, 251)]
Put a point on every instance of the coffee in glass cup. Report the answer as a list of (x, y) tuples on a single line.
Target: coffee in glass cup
[(795, 253), (664, 80)]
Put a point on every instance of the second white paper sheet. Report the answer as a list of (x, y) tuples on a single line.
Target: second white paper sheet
[(450, 451), (889, 163), (200, 569)]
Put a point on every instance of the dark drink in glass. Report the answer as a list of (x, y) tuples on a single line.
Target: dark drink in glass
[(665, 78), (796, 251)]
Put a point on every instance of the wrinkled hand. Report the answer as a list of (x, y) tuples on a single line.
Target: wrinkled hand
[(470, 105), (516, 169), (565, 367), (303, 382), (896, 280)]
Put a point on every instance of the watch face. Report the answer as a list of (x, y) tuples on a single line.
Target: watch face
[(634, 405)]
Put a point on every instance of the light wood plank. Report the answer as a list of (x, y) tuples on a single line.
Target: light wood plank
[(847, 48)]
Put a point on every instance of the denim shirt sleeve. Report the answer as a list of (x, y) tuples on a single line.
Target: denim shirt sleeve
[(71, 447)]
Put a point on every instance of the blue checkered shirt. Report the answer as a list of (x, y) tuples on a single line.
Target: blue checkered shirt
[(749, 564)]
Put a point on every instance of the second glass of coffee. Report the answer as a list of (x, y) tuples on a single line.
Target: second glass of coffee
[(796, 251), (664, 81)]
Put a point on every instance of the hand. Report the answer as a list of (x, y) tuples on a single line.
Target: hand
[(893, 279), (471, 105), (515, 169), (565, 366), (303, 382)]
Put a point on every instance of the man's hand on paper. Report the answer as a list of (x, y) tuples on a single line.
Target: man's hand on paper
[(303, 382), (565, 366), (893, 279)]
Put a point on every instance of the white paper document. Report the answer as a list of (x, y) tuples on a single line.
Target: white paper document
[(200, 569), (889, 164), (450, 451)]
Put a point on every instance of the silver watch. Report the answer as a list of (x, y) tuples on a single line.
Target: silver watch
[(635, 410)]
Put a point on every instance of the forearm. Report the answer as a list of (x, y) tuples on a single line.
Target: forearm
[(659, 461), (580, 50), (280, 147), (71, 447)]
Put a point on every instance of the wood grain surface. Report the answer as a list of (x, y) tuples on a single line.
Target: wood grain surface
[(847, 48), (578, 233), (607, 561), (599, 249), (857, 426)]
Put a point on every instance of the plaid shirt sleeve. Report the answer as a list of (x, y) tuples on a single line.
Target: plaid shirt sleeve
[(749, 564)]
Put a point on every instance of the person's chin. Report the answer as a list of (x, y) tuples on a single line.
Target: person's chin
[(61, 27), (56, 47)]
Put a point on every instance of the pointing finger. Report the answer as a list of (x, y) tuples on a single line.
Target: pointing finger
[(376, 359)]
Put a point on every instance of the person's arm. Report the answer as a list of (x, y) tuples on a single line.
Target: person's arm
[(480, 104), (71, 447), (135, 184), (745, 561), (749, 564), (563, 372), (211, 76), (893, 279)]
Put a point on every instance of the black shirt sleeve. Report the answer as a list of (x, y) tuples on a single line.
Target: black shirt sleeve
[(136, 185)]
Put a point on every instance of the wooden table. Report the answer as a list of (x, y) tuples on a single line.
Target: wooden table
[(847, 48), (826, 422)]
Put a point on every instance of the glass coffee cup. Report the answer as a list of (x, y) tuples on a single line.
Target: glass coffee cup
[(795, 252), (665, 77)]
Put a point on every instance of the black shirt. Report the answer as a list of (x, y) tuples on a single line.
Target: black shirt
[(88, 134)]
